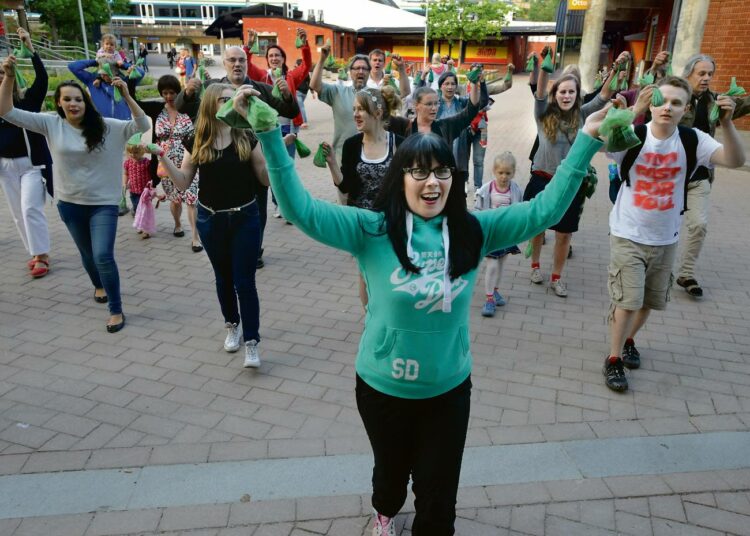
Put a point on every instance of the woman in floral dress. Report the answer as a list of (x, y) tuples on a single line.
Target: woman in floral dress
[(171, 128)]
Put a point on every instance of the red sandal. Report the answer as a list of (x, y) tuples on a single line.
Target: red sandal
[(40, 271)]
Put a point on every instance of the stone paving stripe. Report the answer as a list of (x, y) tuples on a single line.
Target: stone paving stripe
[(74, 492)]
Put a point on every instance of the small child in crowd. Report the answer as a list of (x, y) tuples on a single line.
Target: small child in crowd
[(500, 192), (135, 174), (108, 50), (145, 216)]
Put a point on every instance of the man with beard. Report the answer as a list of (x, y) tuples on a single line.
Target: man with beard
[(235, 63), (699, 71), (340, 97)]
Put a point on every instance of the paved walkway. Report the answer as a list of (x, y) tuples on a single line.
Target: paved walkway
[(161, 402)]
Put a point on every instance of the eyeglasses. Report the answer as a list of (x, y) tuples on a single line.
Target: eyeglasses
[(223, 100), (359, 69), (442, 173)]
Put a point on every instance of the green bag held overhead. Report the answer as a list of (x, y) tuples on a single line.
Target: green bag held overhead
[(255, 48), (343, 75), (614, 84), (418, 78), (330, 61), (302, 150), (646, 79), (320, 157), (598, 82), (547, 65), (616, 127), (389, 65), (530, 64), (430, 77), (298, 42), (135, 73), (473, 75), (135, 139), (508, 75), (260, 116), (23, 52)]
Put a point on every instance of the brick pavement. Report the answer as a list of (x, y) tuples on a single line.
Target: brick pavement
[(162, 391)]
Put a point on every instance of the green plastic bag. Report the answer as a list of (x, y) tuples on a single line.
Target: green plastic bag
[(20, 80), (624, 84), (547, 65), (418, 78), (430, 77), (123, 207), (23, 52), (614, 84), (657, 99), (260, 116), (330, 61), (153, 147), (646, 79), (528, 250), (393, 84), (508, 75), (255, 48), (531, 63), (668, 70), (135, 139), (298, 42), (598, 82), (734, 91), (302, 150), (107, 68), (389, 65), (473, 75), (343, 75), (617, 128), (276, 92), (320, 157)]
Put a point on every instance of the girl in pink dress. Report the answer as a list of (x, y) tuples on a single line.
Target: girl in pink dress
[(145, 215)]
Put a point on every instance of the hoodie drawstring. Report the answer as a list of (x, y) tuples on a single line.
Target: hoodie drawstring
[(447, 289)]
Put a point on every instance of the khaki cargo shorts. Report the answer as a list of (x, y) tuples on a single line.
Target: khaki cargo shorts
[(640, 275)]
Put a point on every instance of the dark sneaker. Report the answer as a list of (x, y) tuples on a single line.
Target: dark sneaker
[(614, 374), (489, 308), (631, 358)]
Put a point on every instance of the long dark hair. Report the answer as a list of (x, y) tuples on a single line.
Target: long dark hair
[(465, 234), (94, 128)]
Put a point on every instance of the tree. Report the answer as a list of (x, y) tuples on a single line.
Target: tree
[(543, 10), (466, 20), (63, 20)]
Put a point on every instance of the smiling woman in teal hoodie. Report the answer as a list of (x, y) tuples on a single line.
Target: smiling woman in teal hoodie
[(419, 256)]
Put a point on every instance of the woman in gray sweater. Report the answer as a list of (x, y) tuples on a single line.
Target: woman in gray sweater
[(559, 114), (87, 154)]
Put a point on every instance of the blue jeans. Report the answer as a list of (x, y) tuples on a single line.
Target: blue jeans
[(462, 149), (93, 228), (301, 102), (291, 149), (232, 242), (134, 199)]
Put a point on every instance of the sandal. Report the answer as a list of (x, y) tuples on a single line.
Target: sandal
[(691, 286), (178, 232), (196, 248), (40, 271)]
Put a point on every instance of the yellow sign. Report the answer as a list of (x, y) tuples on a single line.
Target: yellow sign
[(409, 52), (488, 53), (574, 5)]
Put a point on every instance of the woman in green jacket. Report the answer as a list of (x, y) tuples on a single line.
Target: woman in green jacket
[(419, 253)]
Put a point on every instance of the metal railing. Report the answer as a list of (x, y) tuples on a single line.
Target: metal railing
[(47, 51)]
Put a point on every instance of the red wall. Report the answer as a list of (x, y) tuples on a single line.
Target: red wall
[(286, 32), (724, 38)]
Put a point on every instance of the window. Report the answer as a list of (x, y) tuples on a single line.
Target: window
[(190, 13), (319, 41), (264, 43)]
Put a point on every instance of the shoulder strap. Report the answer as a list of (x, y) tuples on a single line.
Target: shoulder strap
[(689, 140), (632, 154)]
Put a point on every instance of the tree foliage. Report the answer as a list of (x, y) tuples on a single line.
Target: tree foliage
[(63, 19), (466, 20), (543, 10)]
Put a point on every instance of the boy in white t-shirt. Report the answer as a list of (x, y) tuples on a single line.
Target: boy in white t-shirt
[(645, 221)]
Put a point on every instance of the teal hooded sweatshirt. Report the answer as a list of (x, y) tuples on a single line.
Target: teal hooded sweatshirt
[(415, 342)]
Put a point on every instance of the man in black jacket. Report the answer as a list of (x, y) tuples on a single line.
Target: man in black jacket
[(235, 63)]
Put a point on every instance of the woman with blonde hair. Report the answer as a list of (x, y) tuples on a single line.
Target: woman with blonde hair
[(232, 171)]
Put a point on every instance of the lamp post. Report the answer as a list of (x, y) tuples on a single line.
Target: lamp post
[(426, 26), (83, 30)]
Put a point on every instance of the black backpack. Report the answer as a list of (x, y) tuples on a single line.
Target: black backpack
[(689, 140)]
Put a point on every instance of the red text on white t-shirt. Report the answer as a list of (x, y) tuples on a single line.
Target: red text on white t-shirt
[(654, 187)]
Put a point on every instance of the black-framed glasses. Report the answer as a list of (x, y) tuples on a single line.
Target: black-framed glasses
[(223, 100), (442, 173)]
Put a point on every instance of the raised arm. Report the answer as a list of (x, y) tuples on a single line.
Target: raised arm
[(521, 221), (38, 91), (542, 77), (78, 68), (34, 121), (336, 172), (403, 78), (299, 73), (181, 177), (316, 80), (253, 73), (333, 225), (731, 154)]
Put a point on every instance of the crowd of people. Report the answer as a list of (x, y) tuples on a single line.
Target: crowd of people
[(399, 160)]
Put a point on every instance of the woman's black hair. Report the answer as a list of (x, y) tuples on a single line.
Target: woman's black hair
[(466, 236), (168, 81), (94, 128)]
